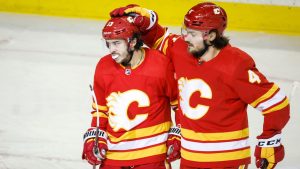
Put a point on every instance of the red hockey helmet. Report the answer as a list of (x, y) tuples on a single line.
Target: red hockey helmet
[(205, 17), (119, 28)]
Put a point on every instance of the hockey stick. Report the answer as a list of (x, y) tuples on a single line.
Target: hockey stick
[(95, 148)]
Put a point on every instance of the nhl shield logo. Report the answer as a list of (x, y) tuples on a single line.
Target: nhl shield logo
[(127, 71)]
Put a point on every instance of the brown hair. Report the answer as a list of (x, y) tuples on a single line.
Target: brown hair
[(220, 41)]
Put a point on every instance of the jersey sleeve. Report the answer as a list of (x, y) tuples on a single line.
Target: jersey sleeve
[(154, 35), (160, 39), (172, 90), (254, 88), (99, 105)]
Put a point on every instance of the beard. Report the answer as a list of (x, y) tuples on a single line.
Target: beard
[(126, 61), (200, 52)]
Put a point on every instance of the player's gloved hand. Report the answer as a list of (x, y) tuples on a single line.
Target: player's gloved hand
[(268, 152), (94, 154), (121, 10), (173, 144), (144, 19)]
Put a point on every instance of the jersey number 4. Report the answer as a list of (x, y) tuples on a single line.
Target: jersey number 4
[(253, 77)]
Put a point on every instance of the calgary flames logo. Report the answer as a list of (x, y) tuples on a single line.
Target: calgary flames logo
[(118, 104), (186, 89)]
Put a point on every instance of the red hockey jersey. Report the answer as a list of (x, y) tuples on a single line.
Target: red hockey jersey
[(214, 96), (134, 107)]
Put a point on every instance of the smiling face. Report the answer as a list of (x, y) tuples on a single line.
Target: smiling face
[(118, 48)]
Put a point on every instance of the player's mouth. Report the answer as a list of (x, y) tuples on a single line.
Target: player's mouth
[(114, 56)]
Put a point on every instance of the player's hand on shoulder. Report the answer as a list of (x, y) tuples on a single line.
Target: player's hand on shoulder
[(143, 18), (121, 10)]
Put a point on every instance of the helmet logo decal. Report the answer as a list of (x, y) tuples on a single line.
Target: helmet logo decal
[(110, 23), (130, 19), (217, 11)]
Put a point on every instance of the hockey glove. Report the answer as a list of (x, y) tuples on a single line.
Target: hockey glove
[(144, 19), (173, 144), (268, 152), (94, 151), (121, 11)]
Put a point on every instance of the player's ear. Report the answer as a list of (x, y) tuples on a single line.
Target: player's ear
[(132, 43), (212, 36)]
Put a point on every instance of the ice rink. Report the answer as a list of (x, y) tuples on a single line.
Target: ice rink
[(47, 64)]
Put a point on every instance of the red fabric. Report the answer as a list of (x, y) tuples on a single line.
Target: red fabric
[(158, 165), (136, 162), (154, 78), (156, 81), (187, 164), (188, 167), (156, 31), (274, 122), (227, 111), (227, 77), (102, 121)]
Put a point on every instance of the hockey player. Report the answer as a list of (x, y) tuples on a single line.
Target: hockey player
[(216, 84), (135, 89)]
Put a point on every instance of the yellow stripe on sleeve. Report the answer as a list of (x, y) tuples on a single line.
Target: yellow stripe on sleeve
[(278, 107), (166, 44), (158, 41), (100, 108), (175, 102), (101, 114), (265, 96), (242, 167)]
